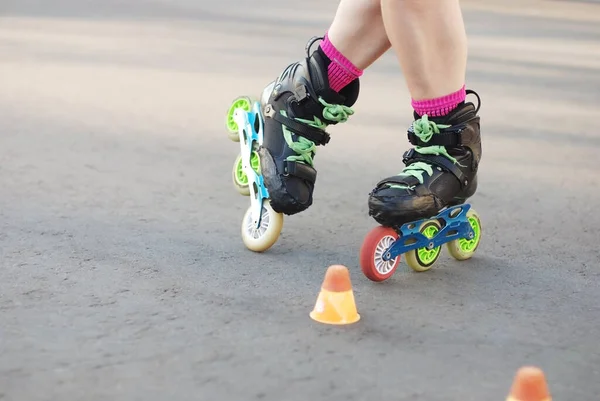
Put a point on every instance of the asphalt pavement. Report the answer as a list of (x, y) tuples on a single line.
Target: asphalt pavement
[(123, 275)]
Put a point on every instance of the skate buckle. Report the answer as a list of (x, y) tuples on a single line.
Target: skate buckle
[(269, 112), (408, 155)]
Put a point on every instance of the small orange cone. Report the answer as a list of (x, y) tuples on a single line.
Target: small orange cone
[(529, 385), (335, 304)]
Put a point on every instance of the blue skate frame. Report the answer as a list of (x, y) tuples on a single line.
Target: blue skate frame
[(249, 136), (453, 227)]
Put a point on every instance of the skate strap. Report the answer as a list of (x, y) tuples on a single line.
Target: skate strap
[(312, 134), (412, 156), (300, 170), (449, 137)]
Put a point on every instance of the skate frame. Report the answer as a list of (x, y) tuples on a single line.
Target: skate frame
[(246, 122), (455, 225)]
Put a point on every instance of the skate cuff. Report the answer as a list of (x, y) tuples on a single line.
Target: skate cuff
[(450, 137), (312, 134)]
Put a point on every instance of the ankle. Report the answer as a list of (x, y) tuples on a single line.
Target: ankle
[(441, 106), (340, 71)]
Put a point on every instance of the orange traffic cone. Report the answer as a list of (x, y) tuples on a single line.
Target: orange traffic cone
[(335, 304), (529, 385)]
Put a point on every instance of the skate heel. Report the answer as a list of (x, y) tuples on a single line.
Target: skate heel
[(261, 225), (458, 227)]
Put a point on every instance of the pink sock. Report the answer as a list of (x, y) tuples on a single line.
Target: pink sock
[(341, 71), (440, 106)]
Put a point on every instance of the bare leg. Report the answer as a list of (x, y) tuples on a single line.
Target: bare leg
[(430, 42), (358, 32)]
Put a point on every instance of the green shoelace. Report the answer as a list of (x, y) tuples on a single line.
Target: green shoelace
[(306, 149), (424, 130)]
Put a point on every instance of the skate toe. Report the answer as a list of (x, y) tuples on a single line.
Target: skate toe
[(394, 207)]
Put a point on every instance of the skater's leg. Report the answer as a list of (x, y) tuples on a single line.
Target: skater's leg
[(430, 43), (310, 95), (357, 32)]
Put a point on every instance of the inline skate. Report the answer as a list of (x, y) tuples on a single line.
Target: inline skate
[(423, 207), (278, 136)]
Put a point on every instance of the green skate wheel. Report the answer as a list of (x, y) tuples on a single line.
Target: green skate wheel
[(259, 239), (243, 102), (423, 259), (239, 177), (464, 248)]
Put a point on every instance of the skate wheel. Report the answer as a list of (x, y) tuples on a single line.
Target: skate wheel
[(262, 238), (377, 241), (239, 177), (422, 259), (464, 248), (243, 102)]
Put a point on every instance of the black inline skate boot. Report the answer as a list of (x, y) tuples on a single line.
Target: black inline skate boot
[(440, 171), (297, 108)]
